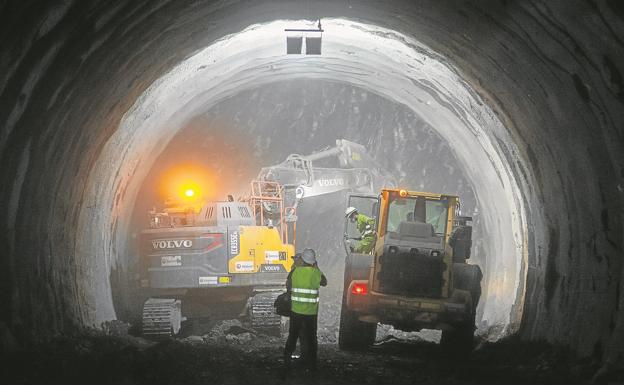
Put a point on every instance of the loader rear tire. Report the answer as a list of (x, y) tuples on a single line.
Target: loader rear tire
[(458, 342), (355, 334)]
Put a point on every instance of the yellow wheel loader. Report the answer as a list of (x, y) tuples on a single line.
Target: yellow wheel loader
[(416, 275)]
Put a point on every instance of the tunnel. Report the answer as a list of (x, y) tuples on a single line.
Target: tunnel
[(524, 97)]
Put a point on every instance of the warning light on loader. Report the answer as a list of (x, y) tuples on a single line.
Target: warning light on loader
[(403, 193)]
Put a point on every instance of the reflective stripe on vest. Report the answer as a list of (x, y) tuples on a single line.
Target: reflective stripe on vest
[(306, 291), (305, 296), (302, 299)]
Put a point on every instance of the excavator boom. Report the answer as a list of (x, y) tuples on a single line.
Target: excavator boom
[(357, 171)]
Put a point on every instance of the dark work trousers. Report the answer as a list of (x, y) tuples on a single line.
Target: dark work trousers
[(303, 327)]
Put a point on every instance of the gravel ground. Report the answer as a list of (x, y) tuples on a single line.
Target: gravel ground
[(228, 353), (233, 355)]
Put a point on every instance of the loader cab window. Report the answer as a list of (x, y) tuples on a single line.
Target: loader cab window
[(436, 215), (417, 209), (400, 210)]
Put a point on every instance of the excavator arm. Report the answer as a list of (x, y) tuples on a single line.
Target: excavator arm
[(356, 172)]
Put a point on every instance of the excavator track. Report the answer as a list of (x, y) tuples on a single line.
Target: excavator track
[(162, 317), (262, 314)]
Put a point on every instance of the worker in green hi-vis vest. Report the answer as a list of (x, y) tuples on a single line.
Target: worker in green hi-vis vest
[(365, 225), (303, 284)]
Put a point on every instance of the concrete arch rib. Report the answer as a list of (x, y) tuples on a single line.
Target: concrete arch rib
[(377, 59)]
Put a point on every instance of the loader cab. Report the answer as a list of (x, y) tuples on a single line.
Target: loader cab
[(403, 214), (412, 256), (416, 214)]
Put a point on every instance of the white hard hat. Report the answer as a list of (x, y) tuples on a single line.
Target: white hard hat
[(309, 256), (349, 211)]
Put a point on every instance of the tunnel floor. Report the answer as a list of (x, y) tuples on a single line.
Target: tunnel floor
[(224, 352), (98, 358)]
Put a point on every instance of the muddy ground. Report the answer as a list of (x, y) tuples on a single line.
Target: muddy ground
[(234, 356), (228, 353), (224, 352)]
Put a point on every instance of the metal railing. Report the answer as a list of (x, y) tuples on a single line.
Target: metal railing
[(267, 203)]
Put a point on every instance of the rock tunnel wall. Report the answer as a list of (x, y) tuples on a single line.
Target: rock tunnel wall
[(551, 70)]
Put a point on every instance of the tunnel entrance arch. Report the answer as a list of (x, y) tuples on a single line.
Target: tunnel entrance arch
[(377, 59)]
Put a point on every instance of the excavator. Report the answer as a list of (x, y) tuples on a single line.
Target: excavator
[(213, 260), (229, 259)]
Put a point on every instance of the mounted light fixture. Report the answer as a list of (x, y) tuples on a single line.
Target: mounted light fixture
[(313, 40)]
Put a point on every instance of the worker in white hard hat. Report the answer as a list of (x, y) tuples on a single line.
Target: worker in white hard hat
[(304, 285), (365, 226)]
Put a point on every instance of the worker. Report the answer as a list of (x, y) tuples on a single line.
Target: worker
[(297, 262), (364, 225), (304, 287)]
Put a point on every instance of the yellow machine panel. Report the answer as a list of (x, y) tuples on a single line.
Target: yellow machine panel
[(260, 245)]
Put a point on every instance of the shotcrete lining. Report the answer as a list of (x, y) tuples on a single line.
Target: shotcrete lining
[(382, 61)]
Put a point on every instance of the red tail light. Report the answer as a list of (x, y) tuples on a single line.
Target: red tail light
[(359, 289)]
